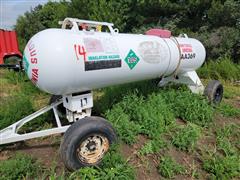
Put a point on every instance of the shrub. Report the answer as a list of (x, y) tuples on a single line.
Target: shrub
[(219, 42)]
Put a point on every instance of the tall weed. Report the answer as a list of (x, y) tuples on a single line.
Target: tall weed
[(223, 68)]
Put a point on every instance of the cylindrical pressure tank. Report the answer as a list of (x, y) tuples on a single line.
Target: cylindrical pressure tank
[(62, 61)]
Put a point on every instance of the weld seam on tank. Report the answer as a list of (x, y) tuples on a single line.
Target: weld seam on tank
[(179, 59), (170, 57)]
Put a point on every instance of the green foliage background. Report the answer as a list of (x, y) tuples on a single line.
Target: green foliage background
[(214, 22)]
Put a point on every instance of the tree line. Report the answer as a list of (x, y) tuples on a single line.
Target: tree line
[(216, 23)]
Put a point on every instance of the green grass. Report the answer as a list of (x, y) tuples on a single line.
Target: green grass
[(228, 110), (228, 139), (14, 109), (231, 90), (223, 68), (20, 102), (169, 168), (221, 167), (186, 138), (224, 161), (14, 77), (19, 167)]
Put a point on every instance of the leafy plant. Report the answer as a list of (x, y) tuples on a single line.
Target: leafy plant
[(126, 129), (135, 114), (186, 138), (19, 167), (169, 168), (188, 106), (154, 116)]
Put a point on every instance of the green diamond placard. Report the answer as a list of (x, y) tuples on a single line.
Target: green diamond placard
[(131, 59)]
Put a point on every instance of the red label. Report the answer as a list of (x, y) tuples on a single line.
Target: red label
[(186, 48)]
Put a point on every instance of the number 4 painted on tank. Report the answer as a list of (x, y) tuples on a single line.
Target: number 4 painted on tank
[(80, 51)]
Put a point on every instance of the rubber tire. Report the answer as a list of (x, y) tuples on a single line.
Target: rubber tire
[(77, 133), (211, 91)]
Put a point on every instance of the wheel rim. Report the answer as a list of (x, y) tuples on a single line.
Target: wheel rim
[(92, 149), (218, 95)]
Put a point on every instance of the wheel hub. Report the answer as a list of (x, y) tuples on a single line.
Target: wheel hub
[(91, 146), (92, 149), (218, 95)]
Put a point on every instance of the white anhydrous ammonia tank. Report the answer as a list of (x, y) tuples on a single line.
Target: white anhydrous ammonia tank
[(63, 61)]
